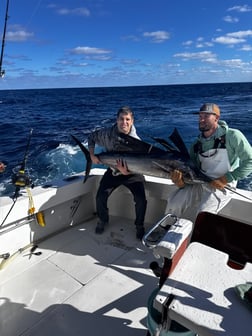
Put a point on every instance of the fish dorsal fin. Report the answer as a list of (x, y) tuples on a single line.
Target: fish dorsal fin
[(165, 144), (130, 144), (179, 143)]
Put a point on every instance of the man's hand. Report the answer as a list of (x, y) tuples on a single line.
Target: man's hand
[(177, 178), (219, 183), (95, 159), (122, 167)]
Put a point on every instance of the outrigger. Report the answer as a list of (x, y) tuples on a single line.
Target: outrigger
[(2, 71)]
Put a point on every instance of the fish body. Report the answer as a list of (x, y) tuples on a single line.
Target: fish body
[(157, 165)]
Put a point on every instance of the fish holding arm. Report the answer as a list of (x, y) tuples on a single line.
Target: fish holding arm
[(121, 165), (177, 178)]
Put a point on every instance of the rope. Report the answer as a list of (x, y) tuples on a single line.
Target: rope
[(31, 209)]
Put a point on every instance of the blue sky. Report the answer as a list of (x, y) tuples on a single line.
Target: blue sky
[(90, 43)]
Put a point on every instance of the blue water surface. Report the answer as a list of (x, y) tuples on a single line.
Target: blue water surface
[(51, 115)]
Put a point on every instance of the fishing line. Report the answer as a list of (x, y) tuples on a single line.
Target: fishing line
[(34, 12)]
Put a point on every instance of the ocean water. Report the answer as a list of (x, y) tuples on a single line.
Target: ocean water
[(36, 124)]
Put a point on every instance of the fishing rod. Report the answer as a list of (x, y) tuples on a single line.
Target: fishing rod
[(20, 180), (237, 193), (2, 72)]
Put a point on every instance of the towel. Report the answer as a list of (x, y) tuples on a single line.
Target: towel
[(245, 293)]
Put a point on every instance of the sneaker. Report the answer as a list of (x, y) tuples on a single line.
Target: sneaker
[(140, 232), (100, 227)]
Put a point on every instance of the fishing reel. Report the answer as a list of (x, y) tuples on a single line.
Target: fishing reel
[(20, 179)]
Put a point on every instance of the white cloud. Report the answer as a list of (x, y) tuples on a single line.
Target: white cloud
[(241, 9), (228, 40), (205, 55), (187, 43), (208, 57), (157, 36), (200, 43), (234, 38), (234, 63), (130, 61), (81, 11), (131, 38), (100, 57), (246, 47), (89, 51), (204, 44), (16, 33), (230, 19), (241, 33)]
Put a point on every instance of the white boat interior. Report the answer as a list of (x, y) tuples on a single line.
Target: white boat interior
[(60, 278)]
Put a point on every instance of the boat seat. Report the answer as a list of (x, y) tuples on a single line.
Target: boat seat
[(167, 236), (168, 239), (201, 295)]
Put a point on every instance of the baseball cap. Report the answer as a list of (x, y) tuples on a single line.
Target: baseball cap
[(210, 108)]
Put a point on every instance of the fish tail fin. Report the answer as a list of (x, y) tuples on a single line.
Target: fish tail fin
[(87, 156)]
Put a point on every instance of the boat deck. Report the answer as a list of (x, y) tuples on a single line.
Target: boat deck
[(80, 284)]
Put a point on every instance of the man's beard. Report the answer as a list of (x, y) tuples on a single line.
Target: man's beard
[(204, 128)]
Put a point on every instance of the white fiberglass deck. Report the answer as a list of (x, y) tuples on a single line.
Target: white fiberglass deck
[(203, 293), (81, 284)]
